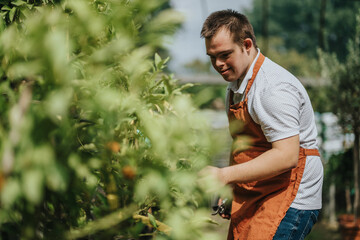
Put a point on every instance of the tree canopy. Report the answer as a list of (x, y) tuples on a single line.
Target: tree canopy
[(298, 24)]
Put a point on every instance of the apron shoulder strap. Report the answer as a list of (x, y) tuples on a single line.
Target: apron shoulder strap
[(256, 69), (231, 97)]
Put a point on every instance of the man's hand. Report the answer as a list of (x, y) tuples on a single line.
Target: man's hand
[(215, 172), (223, 206), (224, 215)]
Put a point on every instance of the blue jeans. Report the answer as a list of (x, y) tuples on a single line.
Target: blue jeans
[(296, 224)]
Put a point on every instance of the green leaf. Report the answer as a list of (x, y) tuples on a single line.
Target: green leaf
[(29, 6), (43, 156), (3, 14), (157, 60), (166, 20), (24, 69), (211, 221), (5, 8), (57, 103), (10, 192), (18, 3), (57, 51), (160, 63), (185, 86), (152, 220), (32, 185), (154, 184), (12, 14), (56, 178)]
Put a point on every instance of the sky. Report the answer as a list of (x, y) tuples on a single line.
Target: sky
[(187, 44)]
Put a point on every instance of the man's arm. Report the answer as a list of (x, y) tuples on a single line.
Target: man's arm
[(282, 157)]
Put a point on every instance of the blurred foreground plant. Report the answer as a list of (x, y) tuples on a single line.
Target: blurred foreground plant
[(95, 141)]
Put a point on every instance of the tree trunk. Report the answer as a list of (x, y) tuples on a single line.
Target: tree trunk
[(332, 205), (265, 26), (348, 199), (321, 37), (356, 173)]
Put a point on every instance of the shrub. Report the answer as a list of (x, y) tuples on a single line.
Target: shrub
[(96, 142)]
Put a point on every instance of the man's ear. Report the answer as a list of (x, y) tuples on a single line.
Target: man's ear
[(248, 44)]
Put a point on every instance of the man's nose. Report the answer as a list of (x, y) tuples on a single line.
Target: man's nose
[(219, 63)]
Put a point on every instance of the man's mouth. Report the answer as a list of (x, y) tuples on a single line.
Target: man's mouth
[(222, 72)]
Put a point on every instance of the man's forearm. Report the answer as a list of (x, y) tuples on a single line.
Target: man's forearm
[(281, 158)]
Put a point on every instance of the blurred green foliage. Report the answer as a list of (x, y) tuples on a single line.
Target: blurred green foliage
[(205, 95), (344, 92), (297, 23), (18, 10), (339, 170), (95, 141), (291, 59), (319, 96), (345, 82), (199, 66)]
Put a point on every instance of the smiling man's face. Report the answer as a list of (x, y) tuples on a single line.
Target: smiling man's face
[(227, 57)]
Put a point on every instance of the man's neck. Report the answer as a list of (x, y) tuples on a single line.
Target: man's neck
[(253, 53)]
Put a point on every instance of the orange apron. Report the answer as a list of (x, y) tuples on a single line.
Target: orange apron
[(258, 207)]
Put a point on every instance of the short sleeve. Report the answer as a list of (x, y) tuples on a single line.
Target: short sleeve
[(277, 110)]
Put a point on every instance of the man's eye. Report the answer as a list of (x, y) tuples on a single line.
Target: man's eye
[(225, 55)]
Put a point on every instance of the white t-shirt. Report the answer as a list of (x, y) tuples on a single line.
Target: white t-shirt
[(279, 103)]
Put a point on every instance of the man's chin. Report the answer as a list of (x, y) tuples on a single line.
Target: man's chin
[(229, 78)]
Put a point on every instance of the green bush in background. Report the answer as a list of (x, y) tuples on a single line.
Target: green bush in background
[(344, 93), (95, 141)]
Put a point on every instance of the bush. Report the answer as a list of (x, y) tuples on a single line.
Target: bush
[(96, 142)]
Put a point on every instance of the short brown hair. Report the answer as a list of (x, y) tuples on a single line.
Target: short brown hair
[(236, 23)]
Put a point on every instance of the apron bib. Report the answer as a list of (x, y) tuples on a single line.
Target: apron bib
[(258, 207)]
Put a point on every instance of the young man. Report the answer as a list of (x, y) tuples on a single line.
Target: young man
[(277, 181)]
